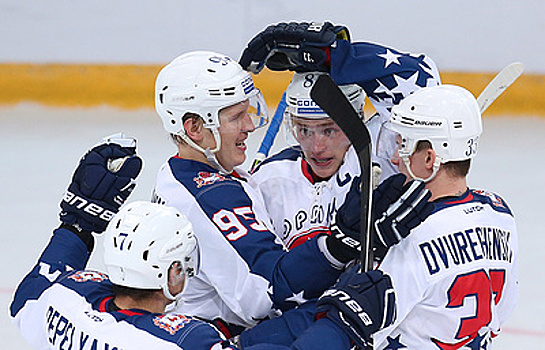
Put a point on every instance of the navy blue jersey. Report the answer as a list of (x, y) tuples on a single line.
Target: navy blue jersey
[(246, 272), (387, 76), (58, 305)]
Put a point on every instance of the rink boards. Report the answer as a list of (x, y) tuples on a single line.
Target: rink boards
[(132, 86)]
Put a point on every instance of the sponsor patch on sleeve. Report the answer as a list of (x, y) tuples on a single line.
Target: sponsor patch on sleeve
[(84, 276), (171, 322), (206, 178)]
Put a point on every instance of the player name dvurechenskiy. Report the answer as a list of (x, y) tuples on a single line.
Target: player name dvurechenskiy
[(464, 247)]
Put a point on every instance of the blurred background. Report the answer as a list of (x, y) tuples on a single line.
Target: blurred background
[(70, 52), (73, 71)]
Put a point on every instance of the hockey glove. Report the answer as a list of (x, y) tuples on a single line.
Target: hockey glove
[(398, 208), (300, 47), (360, 304), (101, 183), (344, 242)]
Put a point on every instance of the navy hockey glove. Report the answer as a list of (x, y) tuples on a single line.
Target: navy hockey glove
[(344, 241), (101, 183), (300, 47), (360, 304), (398, 208)]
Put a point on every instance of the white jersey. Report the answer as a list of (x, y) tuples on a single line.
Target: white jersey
[(246, 273), (57, 307), (455, 276), (60, 306), (299, 206)]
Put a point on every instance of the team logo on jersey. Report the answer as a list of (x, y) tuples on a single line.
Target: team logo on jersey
[(496, 201), (171, 323), (84, 276), (206, 178)]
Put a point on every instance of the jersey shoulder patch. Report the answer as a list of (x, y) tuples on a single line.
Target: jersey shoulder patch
[(94, 286), (198, 177), (171, 323), (475, 196), (495, 201)]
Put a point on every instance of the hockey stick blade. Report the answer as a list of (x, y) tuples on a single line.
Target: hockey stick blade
[(331, 99), (497, 86)]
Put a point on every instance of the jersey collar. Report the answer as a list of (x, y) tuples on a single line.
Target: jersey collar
[(107, 305)]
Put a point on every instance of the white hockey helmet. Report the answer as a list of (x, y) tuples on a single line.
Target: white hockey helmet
[(203, 83), (301, 105), (142, 242), (447, 116)]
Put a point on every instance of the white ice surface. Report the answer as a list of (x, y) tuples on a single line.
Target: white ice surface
[(40, 147)]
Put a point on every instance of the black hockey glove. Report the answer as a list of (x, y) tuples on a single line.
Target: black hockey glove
[(300, 47), (344, 241), (398, 208), (101, 183), (360, 304)]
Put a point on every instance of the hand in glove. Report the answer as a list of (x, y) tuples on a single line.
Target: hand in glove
[(398, 208), (360, 304), (101, 183), (300, 47)]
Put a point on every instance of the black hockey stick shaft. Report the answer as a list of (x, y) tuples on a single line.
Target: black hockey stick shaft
[(331, 99)]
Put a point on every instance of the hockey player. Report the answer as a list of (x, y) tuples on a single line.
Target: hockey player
[(456, 273), (303, 186), (246, 273), (150, 253), (385, 74)]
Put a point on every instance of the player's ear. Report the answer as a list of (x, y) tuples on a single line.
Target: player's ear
[(194, 128), (430, 157)]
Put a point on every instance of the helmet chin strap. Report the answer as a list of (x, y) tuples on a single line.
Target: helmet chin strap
[(436, 165), (168, 295), (210, 154)]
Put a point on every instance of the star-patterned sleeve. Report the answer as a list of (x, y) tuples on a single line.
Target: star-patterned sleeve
[(386, 75)]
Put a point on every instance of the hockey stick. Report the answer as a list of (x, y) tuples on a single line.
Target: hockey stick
[(331, 99), (271, 133), (497, 86)]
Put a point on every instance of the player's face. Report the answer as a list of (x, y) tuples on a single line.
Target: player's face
[(235, 125), (323, 143)]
